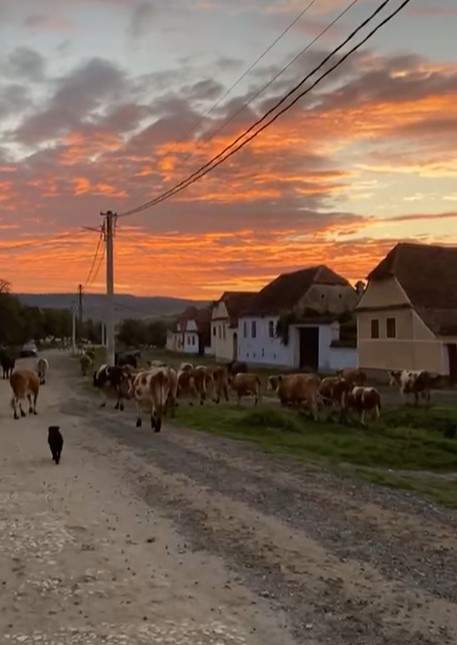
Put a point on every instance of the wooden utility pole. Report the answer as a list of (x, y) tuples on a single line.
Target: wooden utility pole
[(73, 331), (108, 231), (80, 312)]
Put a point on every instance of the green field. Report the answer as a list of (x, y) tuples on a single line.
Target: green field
[(407, 449)]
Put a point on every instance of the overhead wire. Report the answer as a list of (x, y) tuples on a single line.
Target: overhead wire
[(213, 133), (257, 61), (90, 275), (227, 152)]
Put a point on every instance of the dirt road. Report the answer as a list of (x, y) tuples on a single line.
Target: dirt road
[(189, 539)]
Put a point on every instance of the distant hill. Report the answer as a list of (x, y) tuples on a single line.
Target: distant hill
[(126, 306)]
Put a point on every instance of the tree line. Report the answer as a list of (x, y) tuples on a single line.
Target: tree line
[(140, 333), (20, 323)]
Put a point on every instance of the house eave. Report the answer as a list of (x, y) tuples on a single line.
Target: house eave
[(397, 307)]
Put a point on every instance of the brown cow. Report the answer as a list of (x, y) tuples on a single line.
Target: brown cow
[(220, 379), (25, 385), (151, 391), (246, 385), (203, 381), (353, 376), (365, 400), (333, 392), (172, 400), (186, 385), (299, 389)]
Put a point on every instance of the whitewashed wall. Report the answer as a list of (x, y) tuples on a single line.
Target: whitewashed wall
[(342, 358), (271, 351), (263, 349), (191, 338)]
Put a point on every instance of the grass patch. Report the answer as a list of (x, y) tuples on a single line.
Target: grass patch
[(413, 447)]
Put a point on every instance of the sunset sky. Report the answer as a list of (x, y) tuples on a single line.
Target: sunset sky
[(100, 106)]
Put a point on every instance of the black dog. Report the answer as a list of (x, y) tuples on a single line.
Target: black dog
[(55, 441)]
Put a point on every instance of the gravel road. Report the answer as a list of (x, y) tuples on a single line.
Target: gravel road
[(188, 538)]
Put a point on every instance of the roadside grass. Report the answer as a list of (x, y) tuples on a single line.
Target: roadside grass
[(407, 449)]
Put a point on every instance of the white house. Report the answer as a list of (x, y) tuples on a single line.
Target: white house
[(224, 323), (191, 334), (407, 318), (294, 322)]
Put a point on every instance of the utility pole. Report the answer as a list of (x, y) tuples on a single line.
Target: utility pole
[(108, 230), (73, 331), (80, 311)]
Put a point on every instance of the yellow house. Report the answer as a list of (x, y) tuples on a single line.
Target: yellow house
[(407, 317)]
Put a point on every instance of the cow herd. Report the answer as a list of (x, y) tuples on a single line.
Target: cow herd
[(157, 389)]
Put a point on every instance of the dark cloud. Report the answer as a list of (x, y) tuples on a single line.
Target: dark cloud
[(14, 99), (25, 63), (76, 98)]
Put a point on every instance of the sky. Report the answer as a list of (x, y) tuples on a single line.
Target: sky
[(104, 104)]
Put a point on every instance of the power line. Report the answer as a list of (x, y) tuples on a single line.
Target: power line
[(99, 266), (259, 92), (94, 260), (220, 158), (289, 106), (258, 60)]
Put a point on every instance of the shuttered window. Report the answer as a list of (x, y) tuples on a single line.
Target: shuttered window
[(375, 328), (391, 328)]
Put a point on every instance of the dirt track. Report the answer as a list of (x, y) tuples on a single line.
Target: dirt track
[(183, 536)]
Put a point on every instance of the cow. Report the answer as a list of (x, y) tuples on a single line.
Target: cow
[(25, 385), (365, 400), (186, 384), (333, 393), (152, 364), (220, 379), (115, 380), (415, 382), (42, 370), (151, 392), (246, 385), (86, 363), (235, 367), (353, 376), (297, 390), (126, 360), (203, 382), (7, 363), (172, 399)]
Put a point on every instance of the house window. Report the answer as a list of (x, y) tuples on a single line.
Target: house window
[(214, 330), (245, 330), (254, 329), (271, 329), (391, 328), (375, 328), (220, 332), (224, 335), (263, 352)]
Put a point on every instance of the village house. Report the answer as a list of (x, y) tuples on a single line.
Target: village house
[(295, 322), (224, 323), (407, 318), (191, 333)]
